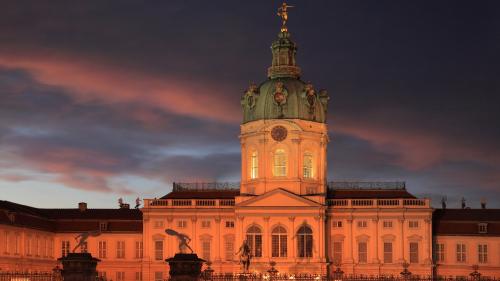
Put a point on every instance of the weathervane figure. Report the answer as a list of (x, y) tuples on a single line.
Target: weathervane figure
[(82, 238), (183, 240), (283, 13)]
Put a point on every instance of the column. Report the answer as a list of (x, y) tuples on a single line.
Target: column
[(291, 244), (169, 240), (376, 257), (217, 239), (428, 242), (402, 244), (349, 252), (194, 238), (267, 245)]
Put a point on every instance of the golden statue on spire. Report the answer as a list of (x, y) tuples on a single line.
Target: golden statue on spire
[(283, 13)]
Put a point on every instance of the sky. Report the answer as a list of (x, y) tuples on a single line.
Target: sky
[(108, 99)]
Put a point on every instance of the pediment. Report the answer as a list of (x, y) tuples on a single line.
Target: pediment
[(278, 198)]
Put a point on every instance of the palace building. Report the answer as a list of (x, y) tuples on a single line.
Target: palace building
[(283, 206)]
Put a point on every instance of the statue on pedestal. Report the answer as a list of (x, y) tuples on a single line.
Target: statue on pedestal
[(82, 238), (183, 240), (245, 255)]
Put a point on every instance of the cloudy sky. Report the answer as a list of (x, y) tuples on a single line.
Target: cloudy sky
[(108, 99)]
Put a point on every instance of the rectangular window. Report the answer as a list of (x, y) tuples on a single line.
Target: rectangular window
[(254, 166), (387, 224), (280, 163), (413, 224), (337, 224), (337, 252), (308, 165), (482, 250), (27, 246), (230, 224), (229, 246), (205, 224), (139, 249), (182, 224), (159, 250), (362, 224), (6, 242), (387, 252), (138, 276), (158, 224), (461, 253), (17, 244), (158, 276), (102, 249), (205, 246), (413, 252), (120, 249), (278, 245), (64, 248), (51, 248), (37, 246), (120, 276), (362, 252), (439, 252)]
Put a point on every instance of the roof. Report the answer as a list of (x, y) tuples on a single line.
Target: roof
[(71, 219), (203, 194), (377, 193), (466, 221)]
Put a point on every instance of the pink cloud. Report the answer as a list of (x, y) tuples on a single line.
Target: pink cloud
[(416, 149), (89, 80)]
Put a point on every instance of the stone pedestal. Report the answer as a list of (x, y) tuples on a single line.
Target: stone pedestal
[(185, 267), (79, 267)]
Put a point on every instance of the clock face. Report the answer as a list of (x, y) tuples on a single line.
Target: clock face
[(279, 133)]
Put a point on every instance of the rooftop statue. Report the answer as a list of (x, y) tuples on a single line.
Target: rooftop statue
[(245, 255), (82, 238), (183, 240)]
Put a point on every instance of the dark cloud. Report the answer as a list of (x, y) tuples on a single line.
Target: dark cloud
[(93, 91)]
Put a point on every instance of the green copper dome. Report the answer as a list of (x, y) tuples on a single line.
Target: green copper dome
[(284, 95)]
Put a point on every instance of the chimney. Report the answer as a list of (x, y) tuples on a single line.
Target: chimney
[(483, 203), (82, 206)]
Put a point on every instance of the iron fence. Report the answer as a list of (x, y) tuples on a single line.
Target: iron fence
[(28, 276), (332, 277)]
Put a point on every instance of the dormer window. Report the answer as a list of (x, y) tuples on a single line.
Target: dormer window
[(483, 227), (103, 226)]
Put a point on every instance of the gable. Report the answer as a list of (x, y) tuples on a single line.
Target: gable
[(278, 198)]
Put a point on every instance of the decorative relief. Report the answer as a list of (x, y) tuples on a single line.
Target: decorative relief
[(280, 97), (249, 100), (279, 133)]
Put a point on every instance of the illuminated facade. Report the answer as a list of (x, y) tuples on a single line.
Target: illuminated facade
[(283, 207)]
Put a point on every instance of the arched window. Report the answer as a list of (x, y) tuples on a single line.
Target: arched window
[(279, 163), (254, 240), (308, 165), (304, 242), (279, 246), (254, 165)]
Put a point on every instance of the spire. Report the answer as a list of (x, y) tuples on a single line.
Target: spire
[(284, 50)]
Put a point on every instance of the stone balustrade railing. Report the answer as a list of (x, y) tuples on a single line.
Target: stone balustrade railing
[(379, 203), (188, 203)]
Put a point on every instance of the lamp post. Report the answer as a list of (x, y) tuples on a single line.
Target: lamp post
[(207, 273), (405, 273), (338, 273), (475, 274), (272, 271)]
